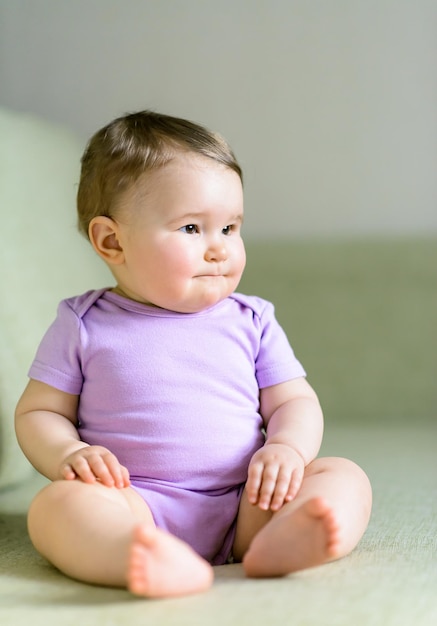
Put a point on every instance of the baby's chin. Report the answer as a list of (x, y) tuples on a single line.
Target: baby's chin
[(197, 307)]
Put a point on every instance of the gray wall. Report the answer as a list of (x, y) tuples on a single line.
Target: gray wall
[(330, 105)]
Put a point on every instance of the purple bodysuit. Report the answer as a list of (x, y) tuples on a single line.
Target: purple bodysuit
[(175, 396)]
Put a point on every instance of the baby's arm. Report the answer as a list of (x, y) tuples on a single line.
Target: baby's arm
[(45, 423), (294, 426)]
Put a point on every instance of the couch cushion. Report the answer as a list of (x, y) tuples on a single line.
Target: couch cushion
[(42, 257), (361, 315)]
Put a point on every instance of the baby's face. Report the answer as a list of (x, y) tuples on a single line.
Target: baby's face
[(179, 229)]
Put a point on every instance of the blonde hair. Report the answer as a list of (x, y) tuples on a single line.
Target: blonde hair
[(119, 153)]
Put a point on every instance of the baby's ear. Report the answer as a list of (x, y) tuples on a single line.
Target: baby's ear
[(103, 234)]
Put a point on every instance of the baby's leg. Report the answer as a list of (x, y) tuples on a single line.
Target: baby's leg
[(324, 522), (107, 536)]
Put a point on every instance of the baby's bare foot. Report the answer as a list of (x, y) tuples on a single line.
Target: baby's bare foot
[(160, 565), (308, 536)]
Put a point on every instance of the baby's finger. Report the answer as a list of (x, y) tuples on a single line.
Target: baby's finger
[(81, 468), (253, 483), (119, 473), (101, 468), (125, 476), (68, 473), (283, 489), (267, 489), (295, 484)]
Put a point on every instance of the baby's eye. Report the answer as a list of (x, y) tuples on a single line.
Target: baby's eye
[(190, 229), (227, 230)]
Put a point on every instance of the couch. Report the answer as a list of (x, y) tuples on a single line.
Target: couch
[(360, 314)]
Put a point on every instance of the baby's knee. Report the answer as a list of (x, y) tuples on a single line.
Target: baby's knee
[(337, 465), (49, 497), (344, 469), (352, 470)]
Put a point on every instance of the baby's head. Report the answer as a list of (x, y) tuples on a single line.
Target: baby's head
[(161, 200), (132, 145)]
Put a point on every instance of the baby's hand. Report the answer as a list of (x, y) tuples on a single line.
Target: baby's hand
[(95, 463), (275, 476)]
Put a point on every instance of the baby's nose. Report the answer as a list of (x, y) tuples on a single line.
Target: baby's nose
[(216, 251)]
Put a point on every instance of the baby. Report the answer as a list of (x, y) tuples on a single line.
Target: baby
[(170, 412)]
